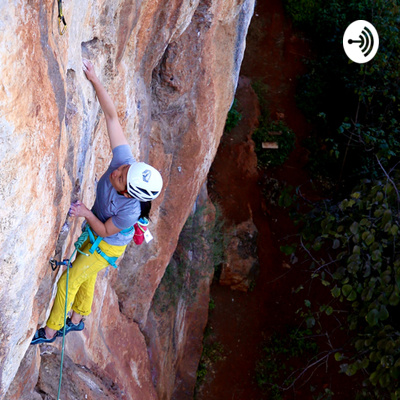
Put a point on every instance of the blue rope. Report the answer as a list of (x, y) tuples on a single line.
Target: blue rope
[(78, 244)]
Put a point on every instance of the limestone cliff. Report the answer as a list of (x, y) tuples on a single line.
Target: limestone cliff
[(172, 69)]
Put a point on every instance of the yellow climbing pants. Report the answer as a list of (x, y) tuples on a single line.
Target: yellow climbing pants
[(82, 280)]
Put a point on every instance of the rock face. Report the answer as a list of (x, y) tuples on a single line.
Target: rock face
[(179, 309), (172, 69), (79, 382), (241, 265)]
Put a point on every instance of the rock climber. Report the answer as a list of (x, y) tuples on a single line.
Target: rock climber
[(124, 194)]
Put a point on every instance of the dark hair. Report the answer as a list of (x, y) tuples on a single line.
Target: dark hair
[(145, 207)]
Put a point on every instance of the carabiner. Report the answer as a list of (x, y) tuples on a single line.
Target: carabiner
[(61, 19), (55, 264)]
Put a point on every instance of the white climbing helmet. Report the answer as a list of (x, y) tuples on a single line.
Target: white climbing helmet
[(144, 182)]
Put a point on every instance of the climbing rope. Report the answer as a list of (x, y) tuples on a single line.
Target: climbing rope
[(65, 322), (61, 19), (54, 264)]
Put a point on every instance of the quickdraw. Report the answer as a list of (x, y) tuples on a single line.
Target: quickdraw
[(55, 264), (61, 19)]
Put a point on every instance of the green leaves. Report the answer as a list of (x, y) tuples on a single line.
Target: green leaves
[(360, 235), (349, 292), (336, 292), (387, 217), (233, 118), (288, 249), (375, 315), (368, 238), (310, 321), (383, 313), (346, 290), (265, 132), (354, 228), (339, 357), (372, 317)]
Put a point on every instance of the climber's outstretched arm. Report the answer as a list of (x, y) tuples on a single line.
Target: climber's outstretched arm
[(115, 132)]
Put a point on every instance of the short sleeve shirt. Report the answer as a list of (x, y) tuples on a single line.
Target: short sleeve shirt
[(123, 211)]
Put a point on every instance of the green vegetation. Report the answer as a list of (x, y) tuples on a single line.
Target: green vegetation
[(273, 157), (354, 108), (285, 138), (212, 352), (359, 235), (200, 250), (352, 237), (234, 117), (275, 371)]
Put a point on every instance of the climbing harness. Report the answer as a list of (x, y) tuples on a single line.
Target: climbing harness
[(86, 234), (61, 19), (95, 246)]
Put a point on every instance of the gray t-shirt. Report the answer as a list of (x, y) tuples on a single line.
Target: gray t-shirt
[(109, 204)]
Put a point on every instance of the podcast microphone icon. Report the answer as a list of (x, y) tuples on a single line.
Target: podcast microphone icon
[(368, 41)]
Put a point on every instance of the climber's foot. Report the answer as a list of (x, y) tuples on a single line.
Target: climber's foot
[(40, 337), (70, 326)]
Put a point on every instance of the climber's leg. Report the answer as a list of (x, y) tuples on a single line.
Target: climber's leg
[(71, 326), (75, 317), (50, 333), (82, 268), (84, 298)]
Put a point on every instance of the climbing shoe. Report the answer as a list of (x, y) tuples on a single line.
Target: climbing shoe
[(40, 337), (70, 326)]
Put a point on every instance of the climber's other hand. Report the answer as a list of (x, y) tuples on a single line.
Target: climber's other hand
[(78, 209), (88, 68)]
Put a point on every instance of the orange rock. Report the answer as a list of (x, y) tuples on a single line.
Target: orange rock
[(172, 71)]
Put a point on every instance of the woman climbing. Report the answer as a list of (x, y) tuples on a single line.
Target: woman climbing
[(124, 194)]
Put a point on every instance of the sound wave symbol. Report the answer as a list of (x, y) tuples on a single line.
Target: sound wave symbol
[(366, 41)]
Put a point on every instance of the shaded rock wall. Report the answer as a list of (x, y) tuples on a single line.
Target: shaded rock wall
[(179, 309), (241, 265), (172, 69)]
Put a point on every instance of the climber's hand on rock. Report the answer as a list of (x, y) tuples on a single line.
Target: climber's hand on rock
[(78, 209), (89, 70)]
